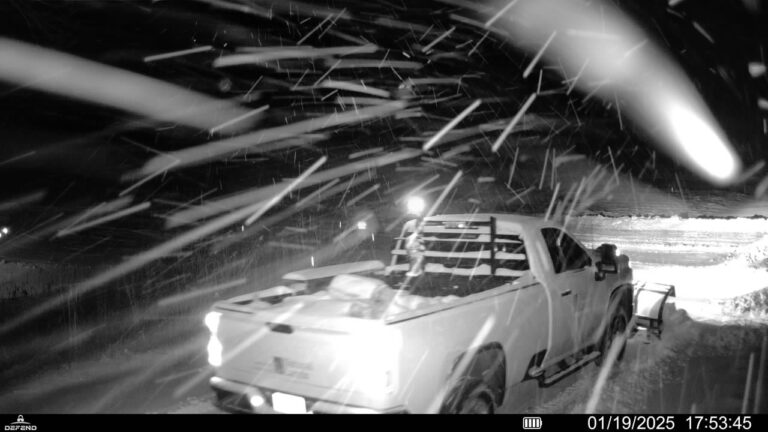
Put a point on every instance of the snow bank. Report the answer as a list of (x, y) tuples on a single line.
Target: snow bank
[(672, 223), (752, 305), (754, 255), (714, 282)]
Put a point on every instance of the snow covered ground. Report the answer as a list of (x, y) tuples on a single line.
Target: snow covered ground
[(698, 366)]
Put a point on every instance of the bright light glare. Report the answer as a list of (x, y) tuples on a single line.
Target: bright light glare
[(416, 206), (212, 321), (362, 225), (214, 344), (5, 230), (702, 143), (57, 72), (604, 52), (256, 401), (214, 351), (373, 360)]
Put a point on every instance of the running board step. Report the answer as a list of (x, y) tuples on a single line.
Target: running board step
[(581, 362)]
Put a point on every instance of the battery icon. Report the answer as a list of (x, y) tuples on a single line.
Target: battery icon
[(531, 422)]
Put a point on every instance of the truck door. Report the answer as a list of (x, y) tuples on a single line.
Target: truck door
[(571, 279)]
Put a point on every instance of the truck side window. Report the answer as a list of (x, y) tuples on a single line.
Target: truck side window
[(575, 257), (566, 254)]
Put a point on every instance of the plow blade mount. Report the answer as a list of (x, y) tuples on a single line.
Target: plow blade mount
[(649, 301)]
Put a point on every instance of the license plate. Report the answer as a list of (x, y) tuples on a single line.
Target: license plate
[(289, 404)]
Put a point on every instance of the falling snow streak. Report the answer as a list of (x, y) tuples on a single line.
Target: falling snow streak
[(175, 54), (552, 202), (439, 38), (215, 207), (397, 24), (512, 167), (362, 195), (292, 185), (315, 198), (280, 217), (377, 64), (468, 110), (477, 45), (147, 178), (316, 194), (263, 55), (498, 15), (575, 79), (367, 152), (228, 123), (197, 292), (507, 130), (254, 10), (761, 187), (536, 58), (20, 202), (544, 169), (218, 149), (439, 201), (105, 207), (575, 200), (56, 72), (314, 29), (354, 87), (18, 158)]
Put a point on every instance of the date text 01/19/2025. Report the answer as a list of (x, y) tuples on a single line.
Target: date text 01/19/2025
[(670, 422)]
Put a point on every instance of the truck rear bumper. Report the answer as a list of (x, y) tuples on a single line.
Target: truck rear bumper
[(232, 395)]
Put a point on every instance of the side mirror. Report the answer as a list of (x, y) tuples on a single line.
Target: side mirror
[(607, 263), (599, 275), (604, 268), (607, 267)]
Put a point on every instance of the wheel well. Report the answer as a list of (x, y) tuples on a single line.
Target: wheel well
[(489, 396), (488, 365), (625, 291)]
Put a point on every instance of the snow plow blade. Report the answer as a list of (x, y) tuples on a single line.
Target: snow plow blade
[(650, 298)]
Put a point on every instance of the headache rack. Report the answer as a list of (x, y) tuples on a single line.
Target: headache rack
[(464, 248)]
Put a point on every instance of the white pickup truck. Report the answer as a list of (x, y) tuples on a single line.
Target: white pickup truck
[(469, 306)]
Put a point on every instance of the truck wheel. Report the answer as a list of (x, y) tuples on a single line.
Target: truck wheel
[(616, 326), (479, 400)]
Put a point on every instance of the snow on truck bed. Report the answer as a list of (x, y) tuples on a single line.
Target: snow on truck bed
[(369, 297)]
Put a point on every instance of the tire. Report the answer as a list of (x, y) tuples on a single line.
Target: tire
[(478, 400), (617, 325)]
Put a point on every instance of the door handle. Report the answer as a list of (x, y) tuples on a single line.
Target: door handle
[(566, 293)]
